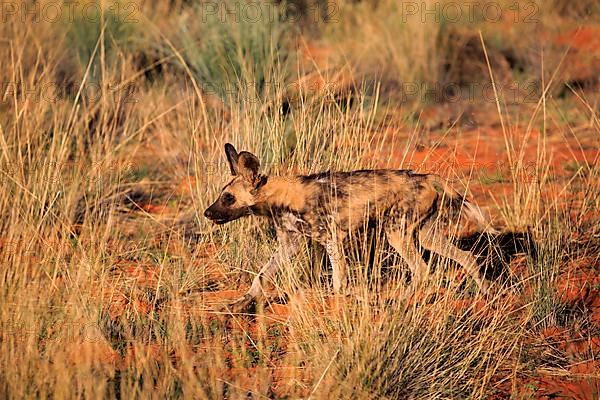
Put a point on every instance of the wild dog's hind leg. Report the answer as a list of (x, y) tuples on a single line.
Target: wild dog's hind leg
[(289, 243), (432, 239), (400, 236)]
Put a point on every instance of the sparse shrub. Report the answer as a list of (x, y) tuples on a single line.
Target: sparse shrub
[(237, 57), (114, 29)]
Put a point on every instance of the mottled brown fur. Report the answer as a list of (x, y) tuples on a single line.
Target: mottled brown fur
[(328, 206)]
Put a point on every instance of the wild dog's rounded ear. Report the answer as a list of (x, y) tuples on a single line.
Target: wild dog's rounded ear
[(248, 166), (232, 158)]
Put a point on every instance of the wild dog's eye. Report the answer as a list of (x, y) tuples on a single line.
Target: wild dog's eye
[(228, 199)]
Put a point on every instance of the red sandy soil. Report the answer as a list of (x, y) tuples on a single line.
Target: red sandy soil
[(582, 60)]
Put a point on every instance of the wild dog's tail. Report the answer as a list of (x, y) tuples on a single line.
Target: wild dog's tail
[(458, 203)]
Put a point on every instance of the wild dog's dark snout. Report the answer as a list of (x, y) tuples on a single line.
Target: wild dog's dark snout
[(220, 215), (214, 214)]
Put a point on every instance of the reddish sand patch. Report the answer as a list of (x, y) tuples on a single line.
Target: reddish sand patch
[(187, 186), (140, 354), (145, 275), (278, 312), (221, 297), (481, 154), (159, 209), (304, 301), (586, 38), (591, 367), (92, 353), (579, 286), (292, 382), (558, 387), (461, 306)]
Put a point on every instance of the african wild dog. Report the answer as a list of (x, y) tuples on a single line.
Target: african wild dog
[(328, 206)]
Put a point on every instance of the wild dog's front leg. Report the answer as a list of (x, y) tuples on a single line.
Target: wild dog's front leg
[(338, 264), (288, 246)]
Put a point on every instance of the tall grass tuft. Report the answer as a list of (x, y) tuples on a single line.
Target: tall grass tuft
[(239, 56)]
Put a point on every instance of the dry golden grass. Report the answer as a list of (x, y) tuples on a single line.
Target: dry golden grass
[(111, 147)]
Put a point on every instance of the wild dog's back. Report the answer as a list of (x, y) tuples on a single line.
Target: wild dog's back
[(350, 197)]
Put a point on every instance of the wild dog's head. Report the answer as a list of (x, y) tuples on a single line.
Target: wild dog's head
[(239, 196)]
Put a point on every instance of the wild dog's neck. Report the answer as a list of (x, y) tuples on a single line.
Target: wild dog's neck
[(281, 192)]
